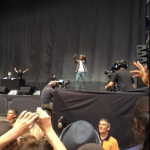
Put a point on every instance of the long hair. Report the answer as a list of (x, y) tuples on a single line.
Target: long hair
[(141, 113)]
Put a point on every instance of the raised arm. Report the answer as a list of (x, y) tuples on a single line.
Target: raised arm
[(142, 73), (74, 57), (23, 124), (15, 70), (25, 70), (45, 124)]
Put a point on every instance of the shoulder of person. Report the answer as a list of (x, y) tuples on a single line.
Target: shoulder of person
[(113, 140)]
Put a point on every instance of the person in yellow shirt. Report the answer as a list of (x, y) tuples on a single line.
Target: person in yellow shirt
[(106, 141), (12, 115)]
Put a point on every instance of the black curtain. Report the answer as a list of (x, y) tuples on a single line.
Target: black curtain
[(43, 35)]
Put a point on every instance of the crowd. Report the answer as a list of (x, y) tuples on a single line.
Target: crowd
[(75, 136)]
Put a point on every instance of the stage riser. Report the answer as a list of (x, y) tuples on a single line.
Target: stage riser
[(21, 103)]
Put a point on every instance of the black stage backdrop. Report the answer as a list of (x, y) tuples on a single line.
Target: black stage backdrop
[(43, 35), (117, 107)]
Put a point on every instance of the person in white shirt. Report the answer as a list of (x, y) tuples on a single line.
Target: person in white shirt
[(81, 69)]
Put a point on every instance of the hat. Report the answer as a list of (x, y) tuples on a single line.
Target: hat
[(78, 134), (91, 146)]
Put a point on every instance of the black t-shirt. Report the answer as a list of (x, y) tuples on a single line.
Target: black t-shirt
[(20, 75), (54, 79), (124, 80), (47, 94)]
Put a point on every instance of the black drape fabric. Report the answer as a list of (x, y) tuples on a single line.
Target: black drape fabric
[(43, 35), (117, 107)]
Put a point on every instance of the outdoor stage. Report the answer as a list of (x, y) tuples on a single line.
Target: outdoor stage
[(90, 106)]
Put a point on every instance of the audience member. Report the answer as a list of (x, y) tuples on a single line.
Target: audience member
[(142, 73), (141, 119), (12, 115), (91, 146), (36, 132), (44, 122), (78, 134), (106, 141), (30, 143), (5, 127), (25, 122), (63, 122)]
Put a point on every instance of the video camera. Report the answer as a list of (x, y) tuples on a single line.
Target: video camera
[(114, 68), (63, 83)]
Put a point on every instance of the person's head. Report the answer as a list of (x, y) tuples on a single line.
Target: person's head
[(77, 134), (123, 64), (81, 57), (84, 58), (63, 122), (54, 76), (20, 70), (5, 127), (30, 143), (141, 119), (91, 146), (12, 114), (54, 84), (104, 126)]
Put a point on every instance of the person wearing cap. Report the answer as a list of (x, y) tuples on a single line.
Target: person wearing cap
[(91, 146), (106, 141), (77, 134)]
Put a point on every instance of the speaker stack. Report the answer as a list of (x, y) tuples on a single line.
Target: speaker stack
[(26, 91), (4, 90)]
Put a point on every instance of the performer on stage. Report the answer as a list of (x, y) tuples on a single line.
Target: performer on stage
[(20, 72), (81, 69)]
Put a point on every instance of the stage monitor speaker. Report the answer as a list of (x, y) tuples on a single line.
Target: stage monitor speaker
[(4, 90), (26, 91)]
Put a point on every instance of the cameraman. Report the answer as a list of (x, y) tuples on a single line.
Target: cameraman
[(122, 77), (47, 96)]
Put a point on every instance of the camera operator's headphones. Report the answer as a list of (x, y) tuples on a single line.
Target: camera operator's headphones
[(60, 126), (120, 64)]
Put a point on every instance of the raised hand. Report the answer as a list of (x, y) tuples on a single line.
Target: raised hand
[(44, 121), (142, 73), (25, 122), (75, 55)]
